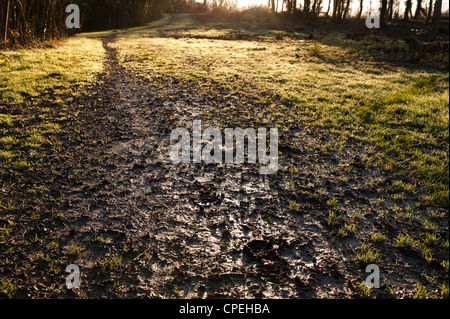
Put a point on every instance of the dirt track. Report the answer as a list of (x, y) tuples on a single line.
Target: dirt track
[(190, 230), (149, 228)]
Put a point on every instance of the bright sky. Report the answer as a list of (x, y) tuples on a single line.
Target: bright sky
[(375, 3), (246, 3)]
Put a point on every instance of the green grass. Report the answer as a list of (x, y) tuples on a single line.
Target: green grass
[(8, 287), (6, 120), (294, 206), (75, 250), (403, 114), (362, 290), (347, 230), (377, 237), (21, 165), (6, 156), (35, 140), (405, 241), (8, 142), (367, 255), (395, 119), (107, 264), (29, 72), (420, 293)]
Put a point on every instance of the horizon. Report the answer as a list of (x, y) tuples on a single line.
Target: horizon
[(368, 5)]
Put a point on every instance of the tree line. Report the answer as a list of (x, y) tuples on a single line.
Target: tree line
[(340, 9), (25, 21)]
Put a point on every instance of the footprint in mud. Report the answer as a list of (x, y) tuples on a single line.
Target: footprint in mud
[(269, 262)]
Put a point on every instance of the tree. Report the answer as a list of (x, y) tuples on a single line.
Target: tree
[(346, 9), (436, 19), (430, 11), (329, 7), (408, 6), (306, 7), (418, 9), (338, 9), (272, 2), (360, 8), (23, 21), (6, 20), (383, 11), (390, 9)]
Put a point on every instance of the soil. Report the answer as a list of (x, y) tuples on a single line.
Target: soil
[(188, 230)]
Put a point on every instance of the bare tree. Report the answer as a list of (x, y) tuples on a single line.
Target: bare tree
[(347, 6), (383, 11), (390, 9), (6, 21), (361, 6), (273, 5), (436, 19), (329, 7), (22, 21), (430, 11), (408, 6), (418, 10)]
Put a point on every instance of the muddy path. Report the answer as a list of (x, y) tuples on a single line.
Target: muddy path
[(190, 231), (139, 226)]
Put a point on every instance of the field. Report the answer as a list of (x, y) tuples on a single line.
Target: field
[(86, 176)]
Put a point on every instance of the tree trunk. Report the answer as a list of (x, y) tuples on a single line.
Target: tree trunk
[(329, 7), (391, 9), (430, 10), (6, 23), (360, 8), (306, 7), (346, 8), (335, 5), (419, 6), (436, 19), (383, 11), (407, 9)]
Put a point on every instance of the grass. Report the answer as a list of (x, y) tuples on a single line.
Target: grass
[(6, 156), (405, 241), (403, 114), (367, 255), (395, 119), (362, 290), (107, 264), (24, 73), (377, 237), (75, 250), (8, 287), (35, 140), (347, 230), (8, 142), (21, 165), (294, 206), (420, 293), (6, 120)]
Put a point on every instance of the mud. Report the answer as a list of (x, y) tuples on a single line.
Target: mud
[(191, 230)]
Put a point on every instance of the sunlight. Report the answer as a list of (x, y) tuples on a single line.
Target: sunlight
[(242, 4), (368, 5)]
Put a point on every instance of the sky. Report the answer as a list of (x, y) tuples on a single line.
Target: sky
[(374, 3)]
